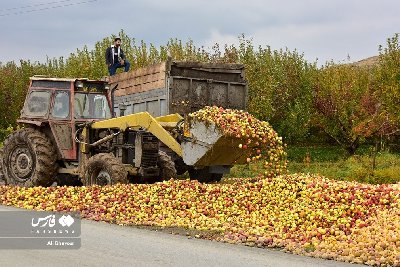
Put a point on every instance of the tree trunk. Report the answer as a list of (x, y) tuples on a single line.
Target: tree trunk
[(351, 148), (374, 154)]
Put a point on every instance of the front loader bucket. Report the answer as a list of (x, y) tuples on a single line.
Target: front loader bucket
[(208, 146)]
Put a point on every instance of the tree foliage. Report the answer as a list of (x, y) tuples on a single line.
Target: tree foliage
[(388, 77), (354, 104), (346, 106), (350, 104)]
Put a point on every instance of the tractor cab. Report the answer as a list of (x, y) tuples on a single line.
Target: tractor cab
[(63, 104), (66, 99)]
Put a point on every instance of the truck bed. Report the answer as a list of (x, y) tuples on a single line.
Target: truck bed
[(179, 87)]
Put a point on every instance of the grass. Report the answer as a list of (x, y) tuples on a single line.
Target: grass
[(333, 162)]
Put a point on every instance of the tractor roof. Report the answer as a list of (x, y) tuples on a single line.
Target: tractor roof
[(45, 78)]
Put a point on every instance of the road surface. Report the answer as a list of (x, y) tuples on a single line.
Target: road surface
[(112, 245)]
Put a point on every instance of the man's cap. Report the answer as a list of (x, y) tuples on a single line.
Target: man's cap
[(117, 38)]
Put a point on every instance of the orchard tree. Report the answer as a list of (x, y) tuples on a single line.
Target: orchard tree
[(14, 80), (347, 105), (280, 87), (388, 76)]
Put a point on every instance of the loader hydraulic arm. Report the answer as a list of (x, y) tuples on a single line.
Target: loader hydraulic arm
[(141, 120)]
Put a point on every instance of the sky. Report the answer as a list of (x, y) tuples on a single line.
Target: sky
[(322, 30)]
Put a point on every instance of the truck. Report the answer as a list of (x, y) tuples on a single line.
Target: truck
[(180, 87), (131, 127)]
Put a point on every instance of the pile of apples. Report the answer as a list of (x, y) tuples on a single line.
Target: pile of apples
[(301, 213), (258, 140)]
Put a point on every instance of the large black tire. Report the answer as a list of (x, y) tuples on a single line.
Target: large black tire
[(204, 175), (104, 169), (2, 177), (167, 166), (29, 159)]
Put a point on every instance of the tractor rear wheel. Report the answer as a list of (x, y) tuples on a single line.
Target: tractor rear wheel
[(167, 166), (29, 159), (2, 177), (104, 169)]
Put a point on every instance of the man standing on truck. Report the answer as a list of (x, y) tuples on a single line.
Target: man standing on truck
[(115, 57)]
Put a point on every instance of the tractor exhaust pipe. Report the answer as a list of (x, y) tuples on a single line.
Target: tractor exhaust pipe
[(112, 99)]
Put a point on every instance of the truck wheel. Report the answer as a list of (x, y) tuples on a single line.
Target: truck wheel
[(167, 166), (104, 169), (204, 176), (29, 159)]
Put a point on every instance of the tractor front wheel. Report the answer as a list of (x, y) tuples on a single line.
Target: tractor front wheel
[(104, 169)]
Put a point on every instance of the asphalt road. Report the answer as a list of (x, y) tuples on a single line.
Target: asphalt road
[(112, 245)]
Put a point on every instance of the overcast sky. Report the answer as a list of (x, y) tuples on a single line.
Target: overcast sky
[(320, 29)]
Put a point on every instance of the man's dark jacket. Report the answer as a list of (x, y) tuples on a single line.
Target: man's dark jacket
[(109, 55)]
